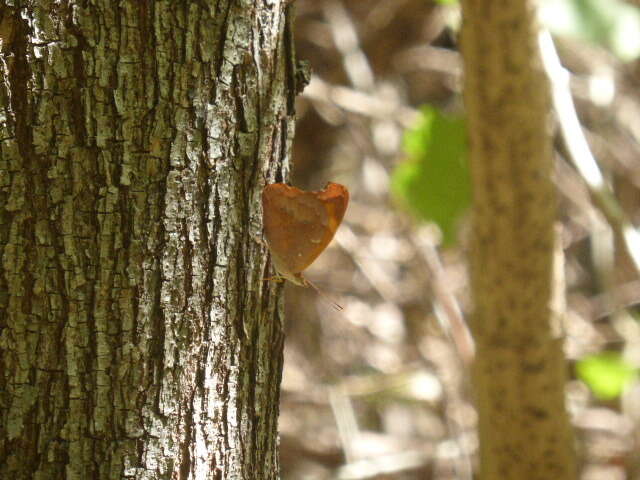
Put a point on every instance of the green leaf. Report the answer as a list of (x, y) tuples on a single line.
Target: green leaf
[(433, 183), (613, 24), (606, 374)]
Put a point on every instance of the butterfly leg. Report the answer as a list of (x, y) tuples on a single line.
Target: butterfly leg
[(275, 278)]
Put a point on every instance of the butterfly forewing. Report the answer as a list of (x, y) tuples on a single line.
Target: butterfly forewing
[(299, 225)]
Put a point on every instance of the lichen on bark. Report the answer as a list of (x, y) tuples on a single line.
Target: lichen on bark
[(137, 337)]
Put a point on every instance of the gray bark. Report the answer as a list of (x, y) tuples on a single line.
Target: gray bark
[(137, 338)]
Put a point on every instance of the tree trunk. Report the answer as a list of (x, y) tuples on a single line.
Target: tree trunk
[(519, 372), (137, 337)]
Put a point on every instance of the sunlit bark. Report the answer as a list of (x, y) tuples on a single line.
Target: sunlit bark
[(136, 336)]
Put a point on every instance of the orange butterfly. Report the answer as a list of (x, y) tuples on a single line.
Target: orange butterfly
[(299, 225)]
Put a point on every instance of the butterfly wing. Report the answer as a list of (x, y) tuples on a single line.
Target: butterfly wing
[(299, 225)]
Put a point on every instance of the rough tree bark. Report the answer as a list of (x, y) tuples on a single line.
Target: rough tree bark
[(519, 371), (137, 338)]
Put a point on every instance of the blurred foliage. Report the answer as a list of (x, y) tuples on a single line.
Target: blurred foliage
[(613, 24), (433, 183), (606, 374), (410, 46)]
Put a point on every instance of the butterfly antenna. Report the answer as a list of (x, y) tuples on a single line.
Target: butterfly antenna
[(336, 306)]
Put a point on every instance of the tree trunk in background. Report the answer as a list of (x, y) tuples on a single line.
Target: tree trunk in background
[(137, 337), (519, 371)]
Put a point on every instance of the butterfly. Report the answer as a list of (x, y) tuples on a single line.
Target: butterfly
[(298, 225)]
